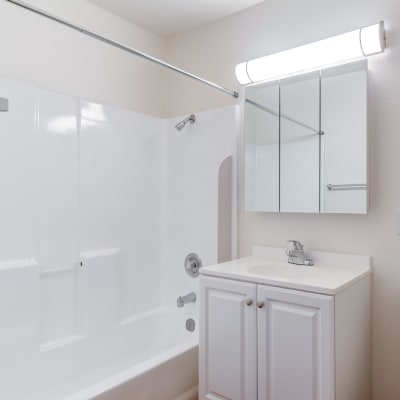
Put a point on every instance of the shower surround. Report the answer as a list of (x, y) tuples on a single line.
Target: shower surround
[(99, 208)]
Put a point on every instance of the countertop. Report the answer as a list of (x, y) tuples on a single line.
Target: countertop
[(330, 274)]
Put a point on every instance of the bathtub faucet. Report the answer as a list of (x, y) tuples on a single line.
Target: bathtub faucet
[(182, 300)]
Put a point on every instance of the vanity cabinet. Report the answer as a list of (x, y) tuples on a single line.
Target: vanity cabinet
[(228, 340), (260, 342)]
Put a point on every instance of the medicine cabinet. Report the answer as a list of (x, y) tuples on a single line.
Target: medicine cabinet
[(306, 142)]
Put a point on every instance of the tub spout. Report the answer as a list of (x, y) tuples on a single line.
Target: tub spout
[(182, 300)]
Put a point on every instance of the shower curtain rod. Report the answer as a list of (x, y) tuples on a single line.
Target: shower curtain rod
[(276, 114), (120, 46)]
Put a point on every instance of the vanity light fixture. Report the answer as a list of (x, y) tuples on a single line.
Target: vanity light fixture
[(351, 46)]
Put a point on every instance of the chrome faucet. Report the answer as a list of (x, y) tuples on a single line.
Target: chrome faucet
[(182, 300), (297, 256)]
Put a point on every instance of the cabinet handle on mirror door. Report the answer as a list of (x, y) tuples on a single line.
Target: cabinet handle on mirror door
[(260, 304), (249, 302)]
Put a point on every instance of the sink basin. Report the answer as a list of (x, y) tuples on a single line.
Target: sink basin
[(330, 274), (282, 271)]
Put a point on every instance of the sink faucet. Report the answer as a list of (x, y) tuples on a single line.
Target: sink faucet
[(182, 300), (297, 256)]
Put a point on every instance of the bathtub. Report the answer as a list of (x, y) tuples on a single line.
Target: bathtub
[(149, 357)]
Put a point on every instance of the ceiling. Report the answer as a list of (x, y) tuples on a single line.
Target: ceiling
[(170, 17)]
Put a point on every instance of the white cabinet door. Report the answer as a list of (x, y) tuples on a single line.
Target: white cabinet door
[(295, 345), (228, 340)]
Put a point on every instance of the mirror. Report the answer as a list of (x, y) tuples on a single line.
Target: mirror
[(262, 148), (344, 172), (306, 143), (300, 144)]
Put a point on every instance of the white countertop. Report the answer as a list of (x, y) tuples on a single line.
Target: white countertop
[(330, 274)]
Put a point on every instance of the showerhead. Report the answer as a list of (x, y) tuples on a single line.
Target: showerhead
[(191, 118)]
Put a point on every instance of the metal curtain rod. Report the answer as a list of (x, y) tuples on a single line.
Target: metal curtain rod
[(120, 46), (276, 114)]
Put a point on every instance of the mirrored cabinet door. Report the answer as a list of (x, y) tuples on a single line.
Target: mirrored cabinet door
[(344, 144), (306, 142), (299, 119), (262, 148)]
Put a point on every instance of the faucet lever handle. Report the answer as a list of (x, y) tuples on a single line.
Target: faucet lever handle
[(296, 244)]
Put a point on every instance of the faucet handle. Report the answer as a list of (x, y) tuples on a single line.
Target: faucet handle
[(296, 244)]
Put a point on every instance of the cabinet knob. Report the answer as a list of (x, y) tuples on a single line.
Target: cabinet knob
[(249, 302), (260, 304)]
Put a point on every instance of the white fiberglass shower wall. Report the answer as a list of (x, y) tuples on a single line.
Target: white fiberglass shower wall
[(99, 207)]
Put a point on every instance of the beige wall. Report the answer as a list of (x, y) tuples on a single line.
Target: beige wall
[(39, 52), (43, 53), (280, 24)]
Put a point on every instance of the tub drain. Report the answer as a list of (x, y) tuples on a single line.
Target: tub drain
[(190, 325)]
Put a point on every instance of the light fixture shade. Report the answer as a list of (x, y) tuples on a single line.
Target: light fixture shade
[(372, 39), (343, 48), (241, 74)]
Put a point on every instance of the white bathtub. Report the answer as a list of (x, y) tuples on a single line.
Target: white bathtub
[(150, 357), (169, 378)]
